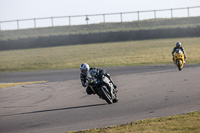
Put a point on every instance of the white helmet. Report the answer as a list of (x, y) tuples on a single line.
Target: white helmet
[(84, 67), (178, 44)]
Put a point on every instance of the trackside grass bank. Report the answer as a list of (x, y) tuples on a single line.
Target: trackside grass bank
[(186, 123), (129, 53), (102, 27)]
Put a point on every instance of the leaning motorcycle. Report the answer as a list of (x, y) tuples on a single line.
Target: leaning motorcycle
[(179, 59), (102, 86)]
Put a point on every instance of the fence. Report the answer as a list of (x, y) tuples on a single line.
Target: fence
[(99, 18)]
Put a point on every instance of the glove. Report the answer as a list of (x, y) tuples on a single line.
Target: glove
[(104, 72), (108, 75)]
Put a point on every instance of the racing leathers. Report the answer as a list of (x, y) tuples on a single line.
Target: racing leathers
[(175, 48), (83, 78)]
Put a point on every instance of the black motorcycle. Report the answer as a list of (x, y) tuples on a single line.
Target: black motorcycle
[(102, 86)]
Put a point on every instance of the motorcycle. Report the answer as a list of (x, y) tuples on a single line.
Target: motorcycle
[(102, 86), (179, 59)]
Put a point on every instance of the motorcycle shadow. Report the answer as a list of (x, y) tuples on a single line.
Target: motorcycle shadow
[(59, 109)]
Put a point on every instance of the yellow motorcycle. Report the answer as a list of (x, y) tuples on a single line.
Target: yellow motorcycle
[(179, 59)]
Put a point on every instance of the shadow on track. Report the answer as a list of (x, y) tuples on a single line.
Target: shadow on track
[(51, 110)]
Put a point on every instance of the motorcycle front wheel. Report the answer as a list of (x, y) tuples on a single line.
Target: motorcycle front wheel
[(105, 93), (115, 100), (179, 65)]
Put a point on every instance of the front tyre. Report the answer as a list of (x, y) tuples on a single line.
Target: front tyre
[(179, 65), (115, 100), (105, 93)]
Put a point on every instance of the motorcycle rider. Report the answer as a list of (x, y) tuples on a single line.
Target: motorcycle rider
[(178, 46), (84, 68)]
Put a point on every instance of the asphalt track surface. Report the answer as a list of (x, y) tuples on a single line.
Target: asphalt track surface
[(61, 104)]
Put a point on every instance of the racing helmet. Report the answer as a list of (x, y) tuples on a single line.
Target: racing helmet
[(178, 44), (84, 67)]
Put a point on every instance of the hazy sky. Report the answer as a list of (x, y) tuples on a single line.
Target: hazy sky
[(24, 9)]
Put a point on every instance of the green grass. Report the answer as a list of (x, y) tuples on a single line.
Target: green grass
[(127, 53), (103, 27), (186, 123)]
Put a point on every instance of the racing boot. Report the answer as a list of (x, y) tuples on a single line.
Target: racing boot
[(89, 91), (184, 59), (173, 60)]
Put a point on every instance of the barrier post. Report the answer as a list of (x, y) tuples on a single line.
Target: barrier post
[(52, 21), (69, 21), (155, 14), (188, 9), (104, 18), (171, 13), (18, 24), (121, 18), (34, 23)]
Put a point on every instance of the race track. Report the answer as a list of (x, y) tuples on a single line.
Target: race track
[(61, 104)]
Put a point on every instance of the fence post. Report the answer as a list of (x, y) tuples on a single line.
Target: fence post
[(104, 18), (0, 25), (18, 24), (188, 9), (34, 22), (138, 15), (69, 21), (155, 14), (121, 18), (52, 21), (171, 13)]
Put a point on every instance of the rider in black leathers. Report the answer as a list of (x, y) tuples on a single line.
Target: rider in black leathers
[(178, 46), (83, 76)]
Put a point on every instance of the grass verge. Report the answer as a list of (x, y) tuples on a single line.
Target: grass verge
[(186, 123), (129, 53), (6, 85)]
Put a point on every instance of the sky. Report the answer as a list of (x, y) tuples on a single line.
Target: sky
[(26, 9)]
